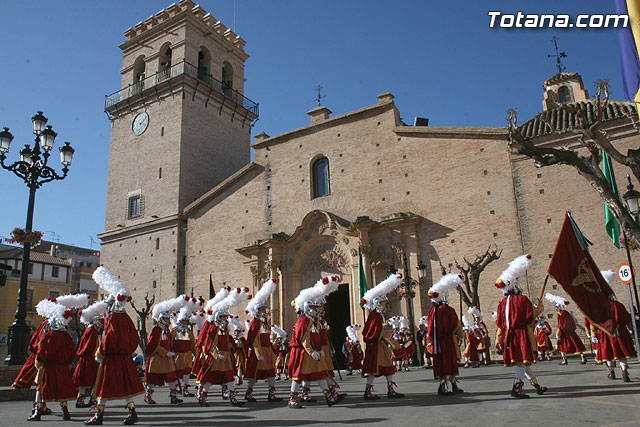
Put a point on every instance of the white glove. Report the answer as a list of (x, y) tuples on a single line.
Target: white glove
[(98, 360), (170, 353), (315, 355), (407, 344), (221, 357), (321, 353), (261, 358), (594, 340)]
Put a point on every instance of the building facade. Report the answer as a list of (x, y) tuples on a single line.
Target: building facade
[(315, 196)]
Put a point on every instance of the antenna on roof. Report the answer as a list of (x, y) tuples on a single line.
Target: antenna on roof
[(558, 55), (319, 97), (234, 17)]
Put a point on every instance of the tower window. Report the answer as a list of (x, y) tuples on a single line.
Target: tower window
[(204, 59), (227, 79), (320, 172), (135, 206), (164, 69), (138, 75), (564, 94)]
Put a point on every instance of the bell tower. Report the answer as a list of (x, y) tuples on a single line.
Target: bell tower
[(180, 125)]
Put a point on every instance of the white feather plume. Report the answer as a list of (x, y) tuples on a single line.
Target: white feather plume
[(468, 324), (516, 268), (168, 306), (351, 333), (444, 285), (50, 310), (236, 297), (222, 294), (261, 296), (236, 324), (97, 309), (198, 319), (279, 331), (404, 322), (74, 300), (109, 283), (474, 311), (555, 299), (394, 321), (424, 320), (383, 288)]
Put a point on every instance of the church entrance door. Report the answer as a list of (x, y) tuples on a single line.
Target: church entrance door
[(338, 316)]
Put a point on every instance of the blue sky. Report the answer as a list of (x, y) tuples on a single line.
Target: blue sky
[(440, 60)]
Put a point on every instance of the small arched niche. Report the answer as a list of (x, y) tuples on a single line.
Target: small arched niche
[(164, 61)]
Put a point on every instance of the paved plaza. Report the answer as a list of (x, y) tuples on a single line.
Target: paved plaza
[(578, 395)]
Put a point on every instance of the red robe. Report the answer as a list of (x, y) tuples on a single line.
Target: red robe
[(27, 374), (85, 374), (411, 350), (593, 331), (542, 332), (442, 322), (54, 357), (355, 354), (399, 353), (514, 336), (301, 365), (568, 340), (214, 370), (620, 346), (117, 374), (256, 336), (377, 356), (241, 353), (471, 352)]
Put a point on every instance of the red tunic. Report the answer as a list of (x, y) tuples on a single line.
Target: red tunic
[(216, 371), (159, 368), (27, 374), (117, 374), (55, 354), (399, 353), (471, 351), (593, 331), (301, 365), (411, 350), (568, 340), (259, 369), (442, 322), (515, 314), (355, 353), (241, 353), (619, 346), (377, 357), (85, 374), (542, 332)]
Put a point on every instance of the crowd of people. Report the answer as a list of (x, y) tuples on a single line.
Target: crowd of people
[(207, 342)]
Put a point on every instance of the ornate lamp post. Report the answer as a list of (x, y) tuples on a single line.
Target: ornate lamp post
[(632, 198), (407, 286), (34, 171)]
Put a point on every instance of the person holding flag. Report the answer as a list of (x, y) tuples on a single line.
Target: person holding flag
[(515, 315)]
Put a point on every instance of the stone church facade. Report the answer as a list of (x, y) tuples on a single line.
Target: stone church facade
[(185, 202)]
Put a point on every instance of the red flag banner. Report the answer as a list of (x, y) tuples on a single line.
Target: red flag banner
[(573, 267)]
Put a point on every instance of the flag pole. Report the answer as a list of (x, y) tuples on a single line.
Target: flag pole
[(546, 279)]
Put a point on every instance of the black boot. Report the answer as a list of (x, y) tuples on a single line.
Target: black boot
[(132, 418), (454, 387), (612, 375), (65, 412), (35, 416), (539, 389), (173, 394), (516, 391), (442, 389), (96, 420), (234, 400), (625, 376), (272, 395), (368, 393)]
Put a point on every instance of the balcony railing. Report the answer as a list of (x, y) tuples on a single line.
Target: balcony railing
[(176, 70)]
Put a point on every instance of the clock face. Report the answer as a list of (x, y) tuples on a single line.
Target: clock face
[(140, 123)]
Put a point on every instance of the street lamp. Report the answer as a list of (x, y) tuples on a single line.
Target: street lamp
[(34, 171), (407, 285), (632, 197)]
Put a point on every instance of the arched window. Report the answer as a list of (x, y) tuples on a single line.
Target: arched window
[(164, 58), (320, 172), (564, 94), (138, 74), (204, 69)]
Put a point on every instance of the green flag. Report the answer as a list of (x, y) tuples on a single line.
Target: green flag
[(362, 279), (610, 222)]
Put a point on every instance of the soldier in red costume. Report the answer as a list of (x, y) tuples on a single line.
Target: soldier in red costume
[(515, 316), (281, 348), (618, 347), (377, 354), (481, 332), (86, 369), (201, 354), (240, 359), (543, 342), (398, 354), (218, 367), (53, 359), (442, 327), (117, 374), (305, 359), (408, 343), (353, 350), (471, 350), (568, 340), (423, 335), (183, 344), (261, 360)]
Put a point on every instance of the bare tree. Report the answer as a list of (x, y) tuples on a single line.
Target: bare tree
[(470, 271), (143, 314), (592, 136)]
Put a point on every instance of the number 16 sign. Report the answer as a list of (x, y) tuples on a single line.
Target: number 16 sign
[(624, 273)]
